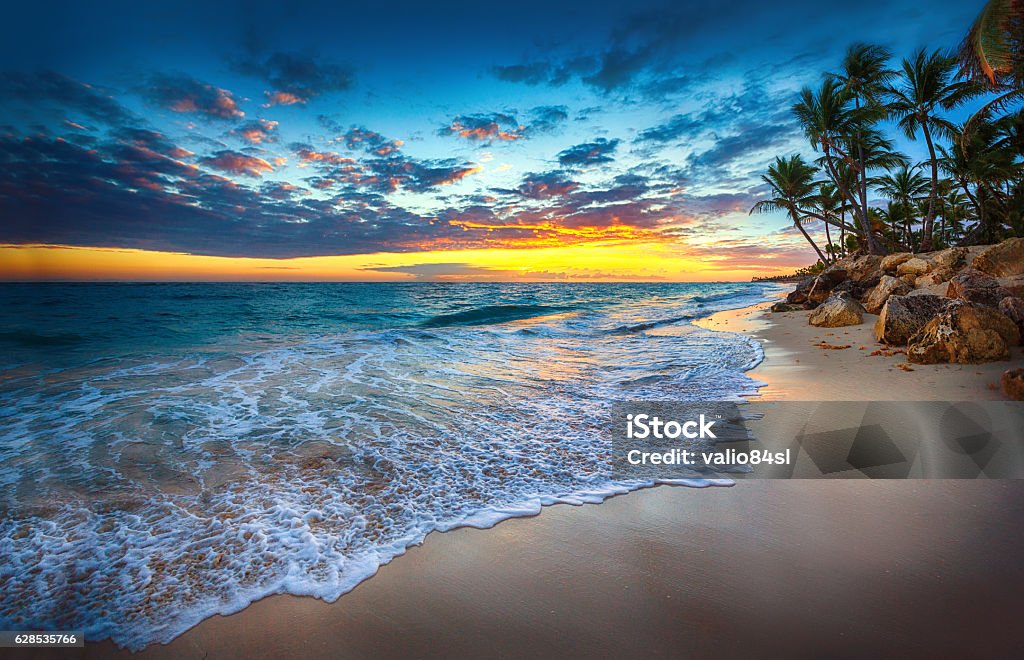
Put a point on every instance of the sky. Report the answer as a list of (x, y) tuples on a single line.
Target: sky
[(415, 141)]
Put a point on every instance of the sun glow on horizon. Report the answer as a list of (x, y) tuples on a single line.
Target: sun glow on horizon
[(606, 261)]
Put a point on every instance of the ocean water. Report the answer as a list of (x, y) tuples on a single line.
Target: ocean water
[(172, 451)]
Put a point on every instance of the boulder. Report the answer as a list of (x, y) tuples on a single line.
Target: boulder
[(839, 310), (785, 307), (928, 279), (891, 262), (915, 266), (964, 333), (904, 316), (1003, 259), (887, 286), (1013, 384), (799, 294), (1013, 285), (931, 290), (834, 274), (821, 290), (863, 268), (977, 287), (908, 278), (1014, 310), (950, 259)]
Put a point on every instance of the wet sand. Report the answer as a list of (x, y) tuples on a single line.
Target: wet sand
[(759, 569)]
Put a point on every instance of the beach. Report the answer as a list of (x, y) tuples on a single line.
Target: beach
[(759, 569)]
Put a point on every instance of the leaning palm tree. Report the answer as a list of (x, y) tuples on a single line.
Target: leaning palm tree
[(793, 188), (926, 84), (831, 124), (904, 187)]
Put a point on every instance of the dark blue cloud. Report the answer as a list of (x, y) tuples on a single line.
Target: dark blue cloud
[(589, 153), (182, 93), (296, 78), (49, 90)]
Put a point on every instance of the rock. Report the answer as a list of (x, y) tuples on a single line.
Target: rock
[(1003, 259), (931, 290), (891, 262), (863, 268), (821, 290), (834, 274), (887, 286), (839, 310), (904, 316), (908, 278), (1013, 384), (1014, 310), (799, 295), (977, 287), (785, 307), (809, 305), (964, 333), (928, 279), (915, 266), (1013, 285), (950, 259)]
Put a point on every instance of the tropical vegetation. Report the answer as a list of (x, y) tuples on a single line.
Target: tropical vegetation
[(870, 198)]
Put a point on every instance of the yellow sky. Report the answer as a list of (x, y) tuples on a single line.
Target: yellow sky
[(590, 262)]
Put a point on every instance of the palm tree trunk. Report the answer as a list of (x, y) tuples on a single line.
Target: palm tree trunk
[(870, 242), (842, 233), (926, 226), (828, 243), (799, 225)]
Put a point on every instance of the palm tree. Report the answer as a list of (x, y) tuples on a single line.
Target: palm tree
[(905, 187), (793, 189), (925, 85), (830, 122), (863, 74), (992, 49)]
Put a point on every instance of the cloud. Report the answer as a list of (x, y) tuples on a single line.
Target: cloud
[(589, 153), (181, 93), (546, 186), (504, 126), (67, 95), (296, 78), (485, 128), (370, 141), (234, 162), (256, 132)]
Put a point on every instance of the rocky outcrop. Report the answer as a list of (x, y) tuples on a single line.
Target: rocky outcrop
[(950, 259), (905, 316), (1013, 285), (891, 262), (1013, 308), (786, 307), (974, 286), (799, 294), (915, 266), (887, 286), (1003, 259), (824, 283), (1013, 384), (839, 310), (863, 269), (964, 333)]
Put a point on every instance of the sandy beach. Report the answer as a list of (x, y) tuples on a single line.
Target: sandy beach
[(759, 569)]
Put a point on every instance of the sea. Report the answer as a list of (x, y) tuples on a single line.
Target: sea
[(171, 451)]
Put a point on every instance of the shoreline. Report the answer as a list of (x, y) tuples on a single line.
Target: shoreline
[(280, 625)]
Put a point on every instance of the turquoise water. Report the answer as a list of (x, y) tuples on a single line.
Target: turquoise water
[(172, 451)]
